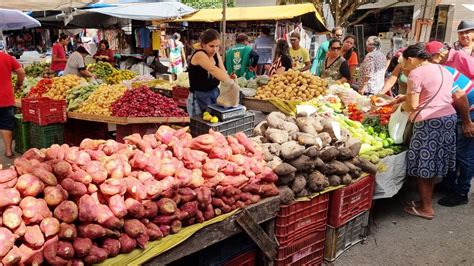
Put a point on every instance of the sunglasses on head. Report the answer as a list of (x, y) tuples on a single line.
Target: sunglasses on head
[(339, 35)]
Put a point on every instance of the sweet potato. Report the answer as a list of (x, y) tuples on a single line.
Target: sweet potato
[(208, 213), (153, 231), (7, 175), (94, 231), (190, 208), (117, 206), (30, 256), (23, 166), (113, 186), (44, 175), (81, 176), (13, 257), (9, 184), (67, 211), (142, 240), (97, 171), (151, 210), (88, 210), (55, 195), (317, 181), (82, 246), (329, 153), (112, 247), (11, 217), (298, 184), (74, 188), (175, 226), (153, 187), (50, 252), (62, 169), (127, 244), (65, 250), (77, 262), (135, 188), (20, 230), (134, 227), (9, 196), (107, 218), (34, 210), (135, 208), (187, 194), (7, 238), (50, 226), (34, 237), (67, 231), (96, 255), (166, 206)]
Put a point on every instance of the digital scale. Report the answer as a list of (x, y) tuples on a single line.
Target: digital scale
[(225, 114)]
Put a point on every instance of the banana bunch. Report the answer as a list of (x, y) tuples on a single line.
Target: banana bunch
[(78, 95), (101, 69), (120, 75), (101, 99)]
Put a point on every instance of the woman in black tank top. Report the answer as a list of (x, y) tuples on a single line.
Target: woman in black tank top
[(206, 71)]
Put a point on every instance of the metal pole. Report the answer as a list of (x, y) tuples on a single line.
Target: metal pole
[(223, 26)]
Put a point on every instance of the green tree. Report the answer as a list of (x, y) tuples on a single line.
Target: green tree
[(200, 4)]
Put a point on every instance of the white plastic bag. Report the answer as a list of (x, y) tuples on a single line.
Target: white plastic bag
[(390, 179), (229, 93), (397, 124)]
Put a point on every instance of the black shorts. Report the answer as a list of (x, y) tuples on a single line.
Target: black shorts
[(7, 118)]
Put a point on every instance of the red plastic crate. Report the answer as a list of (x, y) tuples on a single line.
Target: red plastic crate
[(348, 202), (245, 259), (300, 219), (180, 96), (43, 111), (306, 251)]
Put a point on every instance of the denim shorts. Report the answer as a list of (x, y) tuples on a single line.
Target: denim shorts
[(7, 118), (199, 100)]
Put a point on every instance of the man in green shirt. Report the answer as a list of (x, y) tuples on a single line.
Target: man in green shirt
[(241, 59)]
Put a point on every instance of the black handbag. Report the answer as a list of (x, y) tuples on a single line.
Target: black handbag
[(407, 134)]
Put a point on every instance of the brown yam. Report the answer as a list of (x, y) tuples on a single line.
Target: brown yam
[(307, 139), (367, 166), (286, 195), (346, 179), (306, 125), (276, 135), (325, 138), (286, 179), (291, 150), (334, 180), (312, 151), (329, 153), (270, 150), (317, 181), (344, 154), (298, 184), (336, 168), (260, 129), (284, 169), (303, 193), (354, 145), (302, 163)]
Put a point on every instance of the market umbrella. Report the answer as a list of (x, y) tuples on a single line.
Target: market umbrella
[(14, 20), (146, 11)]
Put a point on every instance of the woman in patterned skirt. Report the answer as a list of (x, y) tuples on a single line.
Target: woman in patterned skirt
[(432, 149)]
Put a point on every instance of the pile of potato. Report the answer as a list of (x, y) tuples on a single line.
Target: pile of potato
[(293, 85), (309, 153), (101, 100), (63, 84)]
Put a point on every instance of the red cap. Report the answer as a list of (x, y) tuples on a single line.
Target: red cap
[(435, 47)]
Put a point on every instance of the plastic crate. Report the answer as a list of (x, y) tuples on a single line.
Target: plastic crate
[(244, 124), (340, 239), (306, 251), (245, 259), (226, 251), (22, 134), (180, 96), (45, 136), (349, 201), (301, 218), (225, 114), (43, 111)]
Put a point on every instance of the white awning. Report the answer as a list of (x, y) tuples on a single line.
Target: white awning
[(39, 5)]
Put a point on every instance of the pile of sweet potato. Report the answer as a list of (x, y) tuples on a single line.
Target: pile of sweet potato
[(309, 153), (80, 205)]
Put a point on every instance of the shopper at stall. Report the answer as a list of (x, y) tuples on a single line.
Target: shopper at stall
[(104, 53), (241, 59), (336, 33), (282, 58), (335, 66), (58, 57), (177, 55), (432, 149), (444, 55), (75, 64), (299, 55), (398, 76), (372, 70), (206, 70), (465, 40), (349, 53), (264, 46), (8, 64)]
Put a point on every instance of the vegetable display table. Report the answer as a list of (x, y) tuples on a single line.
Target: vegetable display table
[(246, 220), (259, 105)]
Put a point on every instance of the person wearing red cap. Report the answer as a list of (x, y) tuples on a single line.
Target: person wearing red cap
[(465, 40), (444, 55)]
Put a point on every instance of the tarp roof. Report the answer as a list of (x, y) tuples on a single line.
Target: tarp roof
[(308, 13), (39, 5)]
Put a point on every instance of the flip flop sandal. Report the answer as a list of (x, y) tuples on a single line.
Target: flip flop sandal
[(414, 212), (412, 203), (12, 156)]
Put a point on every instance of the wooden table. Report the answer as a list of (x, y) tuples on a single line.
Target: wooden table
[(246, 220), (259, 105)]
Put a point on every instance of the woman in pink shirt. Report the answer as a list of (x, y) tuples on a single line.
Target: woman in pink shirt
[(59, 59), (432, 150)]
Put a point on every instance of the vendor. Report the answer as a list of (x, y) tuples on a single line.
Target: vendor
[(75, 64), (241, 59), (104, 53), (335, 66), (59, 59), (206, 69)]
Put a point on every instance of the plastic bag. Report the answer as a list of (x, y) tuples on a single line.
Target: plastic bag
[(229, 93), (397, 124), (389, 181)]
